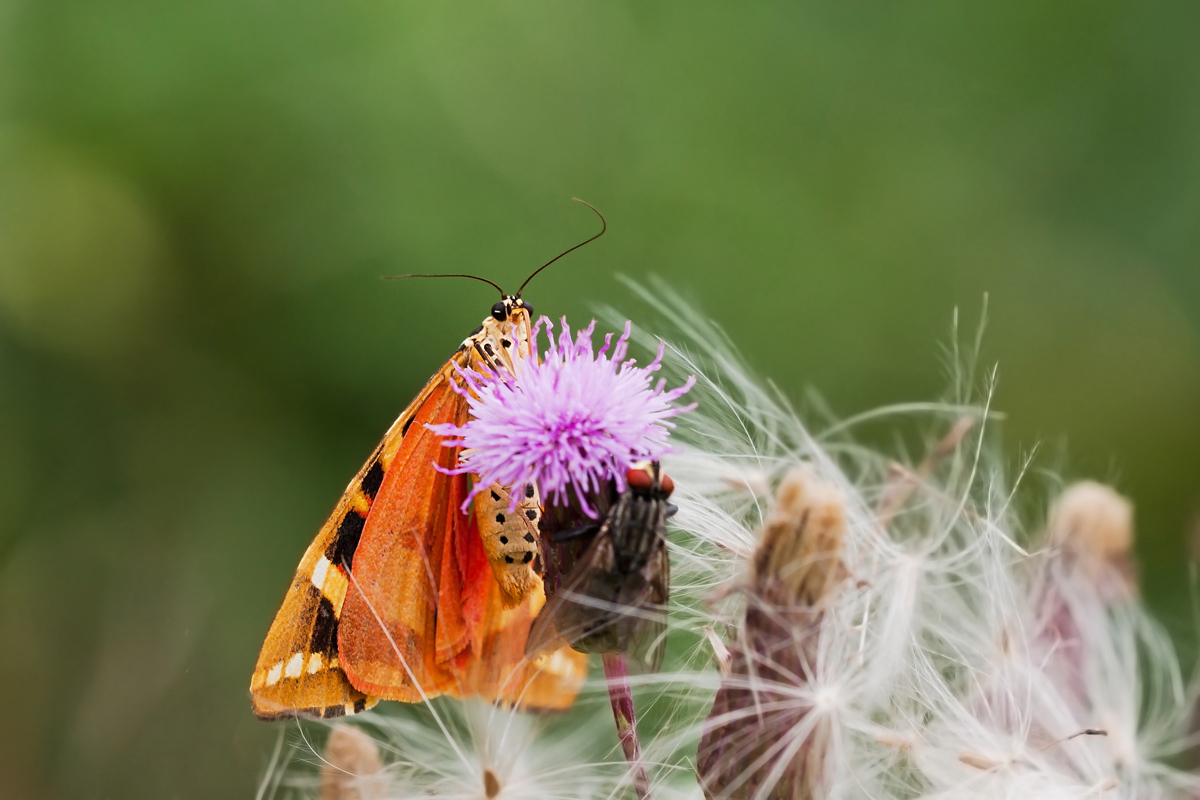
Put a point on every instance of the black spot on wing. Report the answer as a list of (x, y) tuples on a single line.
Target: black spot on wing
[(373, 479), (325, 628), (407, 424), (329, 712), (345, 541), (529, 490), (531, 514), (360, 705)]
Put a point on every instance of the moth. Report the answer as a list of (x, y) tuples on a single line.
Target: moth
[(402, 596), (614, 596)]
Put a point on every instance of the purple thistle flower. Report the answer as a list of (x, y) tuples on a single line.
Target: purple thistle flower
[(576, 419)]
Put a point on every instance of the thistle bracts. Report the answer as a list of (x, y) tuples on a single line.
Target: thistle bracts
[(765, 737), (1086, 577)]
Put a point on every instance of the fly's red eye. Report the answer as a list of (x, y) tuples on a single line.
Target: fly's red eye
[(639, 479), (668, 485)]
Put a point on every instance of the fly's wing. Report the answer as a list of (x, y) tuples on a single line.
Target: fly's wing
[(580, 612), (299, 672), (648, 640), (614, 599)]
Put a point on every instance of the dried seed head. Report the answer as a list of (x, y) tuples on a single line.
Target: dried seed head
[(1094, 526), (764, 699), (1090, 568), (351, 768), (1091, 517), (798, 559)]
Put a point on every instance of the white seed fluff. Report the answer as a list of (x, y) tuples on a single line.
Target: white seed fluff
[(970, 652)]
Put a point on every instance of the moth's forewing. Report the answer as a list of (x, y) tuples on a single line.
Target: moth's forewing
[(299, 672)]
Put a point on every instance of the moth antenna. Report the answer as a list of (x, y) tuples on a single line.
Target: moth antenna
[(603, 228), (472, 277)]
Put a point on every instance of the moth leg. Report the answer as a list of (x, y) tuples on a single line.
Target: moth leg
[(487, 359)]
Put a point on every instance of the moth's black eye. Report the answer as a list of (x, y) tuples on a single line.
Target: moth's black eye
[(500, 312), (528, 308)]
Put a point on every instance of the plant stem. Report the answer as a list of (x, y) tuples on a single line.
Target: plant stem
[(620, 695)]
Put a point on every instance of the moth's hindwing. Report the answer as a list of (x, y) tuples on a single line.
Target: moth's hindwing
[(511, 539)]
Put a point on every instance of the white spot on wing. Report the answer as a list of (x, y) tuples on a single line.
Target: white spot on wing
[(275, 674), (294, 666), (320, 570), (315, 663)]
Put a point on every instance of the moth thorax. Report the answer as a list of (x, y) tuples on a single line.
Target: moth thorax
[(510, 539)]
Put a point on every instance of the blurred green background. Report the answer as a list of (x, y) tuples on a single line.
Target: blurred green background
[(197, 201)]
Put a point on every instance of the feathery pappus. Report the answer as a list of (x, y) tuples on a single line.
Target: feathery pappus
[(850, 623)]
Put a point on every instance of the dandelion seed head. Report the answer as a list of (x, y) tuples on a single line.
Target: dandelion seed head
[(572, 420)]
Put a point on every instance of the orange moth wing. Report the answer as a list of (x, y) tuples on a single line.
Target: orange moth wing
[(398, 575), (299, 672), (425, 614)]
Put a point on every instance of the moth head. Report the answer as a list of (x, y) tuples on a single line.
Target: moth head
[(512, 309)]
